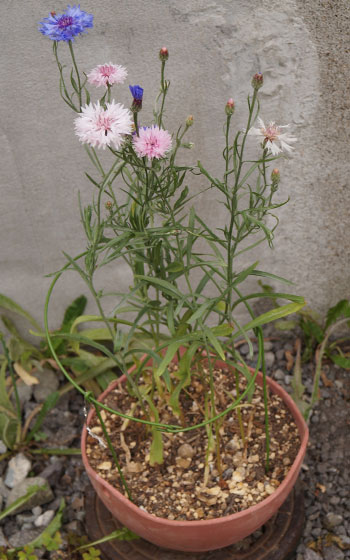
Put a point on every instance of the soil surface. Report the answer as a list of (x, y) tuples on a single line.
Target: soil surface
[(182, 488), (326, 469)]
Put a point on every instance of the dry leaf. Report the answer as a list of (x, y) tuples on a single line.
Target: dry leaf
[(321, 487), (290, 359), (327, 382), (26, 377)]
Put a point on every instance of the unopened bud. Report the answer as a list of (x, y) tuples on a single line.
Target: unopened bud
[(137, 93), (53, 13), (275, 177), (230, 107), (257, 81), (189, 120), (108, 205), (163, 54)]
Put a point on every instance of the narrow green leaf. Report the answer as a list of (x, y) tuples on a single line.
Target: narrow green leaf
[(214, 342), (340, 361), (11, 305), (123, 534), (272, 315), (51, 529), (48, 405), (22, 500), (165, 286), (341, 308)]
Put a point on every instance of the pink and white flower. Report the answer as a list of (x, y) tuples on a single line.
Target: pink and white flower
[(103, 127), (152, 142), (107, 74), (273, 138)]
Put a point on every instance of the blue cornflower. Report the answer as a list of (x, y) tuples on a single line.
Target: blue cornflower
[(137, 93), (65, 26)]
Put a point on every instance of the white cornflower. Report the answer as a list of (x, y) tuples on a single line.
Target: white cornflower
[(273, 138), (103, 127)]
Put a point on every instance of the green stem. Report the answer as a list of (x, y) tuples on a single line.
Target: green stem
[(114, 455), (263, 368), (76, 72), (164, 92), (136, 124), (239, 414)]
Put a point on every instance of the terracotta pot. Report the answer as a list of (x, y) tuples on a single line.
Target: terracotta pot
[(197, 536)]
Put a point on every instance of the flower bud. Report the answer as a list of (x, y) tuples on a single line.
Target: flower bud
[(108, 205), (189, 120), (230, 107), (163, 54), (137, 93), (53, 14), (257, 81), (275, 177)]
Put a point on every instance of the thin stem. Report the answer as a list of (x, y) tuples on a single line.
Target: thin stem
[(164, 90), (263, 368), (114, 455), (77, 72), (239, 414)]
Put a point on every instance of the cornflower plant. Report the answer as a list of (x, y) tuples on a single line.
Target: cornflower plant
[(142, 215)]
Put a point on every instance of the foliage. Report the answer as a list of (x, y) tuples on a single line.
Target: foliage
[(315, 330), (21, 360), (318, 343), (142, 216)]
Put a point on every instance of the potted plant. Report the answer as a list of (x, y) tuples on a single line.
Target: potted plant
[(191, 449)]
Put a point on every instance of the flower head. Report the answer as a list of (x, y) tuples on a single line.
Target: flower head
[(65, 26), (137, 93), (230, 107), (107, 75), (273, 138), (103, 127), (257, 80), (163, 54), (152, 142)]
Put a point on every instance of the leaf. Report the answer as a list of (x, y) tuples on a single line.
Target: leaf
[(11, 305), (272, 315), (340, 361), (341, 308), (26, 377), (165, 286), (48, 404), (169, 355), (5, 403), (214, 342), (45, 537), (199, 312), (22, 500), (73, 311), (123, 534), (9, 428)]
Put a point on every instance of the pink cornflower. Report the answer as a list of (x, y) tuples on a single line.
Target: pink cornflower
[(103, 127), (152, 142), (107, 74), (273, 138)]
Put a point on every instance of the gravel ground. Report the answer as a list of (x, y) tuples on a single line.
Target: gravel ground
[(326, 471)]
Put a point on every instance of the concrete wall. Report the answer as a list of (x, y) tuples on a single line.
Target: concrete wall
[(301, 46)]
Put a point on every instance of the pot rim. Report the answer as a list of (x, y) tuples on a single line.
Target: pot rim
[(303, 434)]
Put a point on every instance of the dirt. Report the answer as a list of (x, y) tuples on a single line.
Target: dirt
[(192, 483)]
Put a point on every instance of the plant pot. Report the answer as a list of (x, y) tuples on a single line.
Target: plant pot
[(203, 535)]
